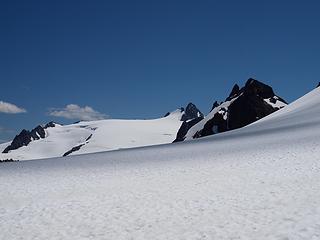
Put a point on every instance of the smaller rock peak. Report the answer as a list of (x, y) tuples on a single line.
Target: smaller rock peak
[(234, 92), (318, 85), (190, 106), (191, 112)]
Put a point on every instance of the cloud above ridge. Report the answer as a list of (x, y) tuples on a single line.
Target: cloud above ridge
[(74, 111)]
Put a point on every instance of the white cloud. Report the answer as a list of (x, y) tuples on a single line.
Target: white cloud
[(73, 111), (6, 107)]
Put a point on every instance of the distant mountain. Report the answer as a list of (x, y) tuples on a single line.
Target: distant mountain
[(55, 140), (243, 106)]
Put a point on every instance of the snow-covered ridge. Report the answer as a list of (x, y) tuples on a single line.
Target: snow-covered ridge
[(96, 136)]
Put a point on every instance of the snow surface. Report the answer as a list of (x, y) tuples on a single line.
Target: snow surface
[(110, 134), (277, 104), (258, 182)]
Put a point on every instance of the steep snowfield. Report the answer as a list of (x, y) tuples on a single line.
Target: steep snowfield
[(107, 135), (258, 182)]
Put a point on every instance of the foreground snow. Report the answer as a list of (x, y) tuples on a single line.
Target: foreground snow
[(258, 182)]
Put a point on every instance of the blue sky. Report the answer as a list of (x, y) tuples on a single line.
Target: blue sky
[(140, 59)]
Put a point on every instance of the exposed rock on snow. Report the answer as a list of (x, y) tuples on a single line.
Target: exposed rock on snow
[(191, 112), (25, 137), (191, 116), (243, 106), (74, 149)]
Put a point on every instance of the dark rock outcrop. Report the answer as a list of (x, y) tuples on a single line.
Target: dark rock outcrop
[(50, 125), (185, 126), (25, 137), (8, 160), (242, 107), (191, 112), (167, 114), (74, 149), (192, 115), (88, 138), (38, 133)]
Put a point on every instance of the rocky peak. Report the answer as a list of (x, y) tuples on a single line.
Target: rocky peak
[(191, 112), (250, 103), (255, 88), (25, 137)]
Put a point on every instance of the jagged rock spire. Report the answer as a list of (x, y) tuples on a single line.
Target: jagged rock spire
[(235, 91), (191, 112)]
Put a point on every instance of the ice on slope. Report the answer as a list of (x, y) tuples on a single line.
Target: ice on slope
[(258, 182), (107, 135)]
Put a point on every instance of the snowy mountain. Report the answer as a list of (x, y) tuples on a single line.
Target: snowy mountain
[(242, 107), (257, 182), (54, 140)]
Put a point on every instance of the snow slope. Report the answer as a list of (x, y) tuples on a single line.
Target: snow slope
[(258, 182), (97, 136)]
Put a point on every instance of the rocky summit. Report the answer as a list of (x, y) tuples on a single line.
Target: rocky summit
[(25, 137), (243, 106)]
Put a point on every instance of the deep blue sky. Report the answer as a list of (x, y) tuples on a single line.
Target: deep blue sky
[(140, 59)]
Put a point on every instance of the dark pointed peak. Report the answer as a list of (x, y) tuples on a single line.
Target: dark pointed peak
[(25, 137), (191, 106), (318, 85), (214, 105), (254, 87), (191, 112), (22, 139), (234, 92)]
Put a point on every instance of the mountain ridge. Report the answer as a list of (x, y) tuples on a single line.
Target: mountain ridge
[(241, 107)]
